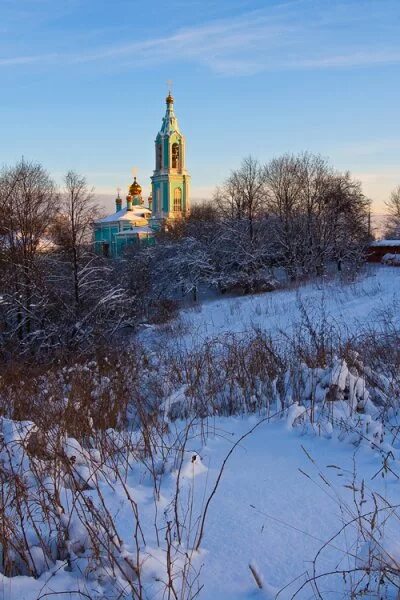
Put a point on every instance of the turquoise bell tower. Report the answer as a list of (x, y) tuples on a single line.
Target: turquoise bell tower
[(170, 181)]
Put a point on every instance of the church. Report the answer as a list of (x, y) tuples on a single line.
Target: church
[(135, 225)]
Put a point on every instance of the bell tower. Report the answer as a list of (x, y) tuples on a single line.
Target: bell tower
[(170, 180)]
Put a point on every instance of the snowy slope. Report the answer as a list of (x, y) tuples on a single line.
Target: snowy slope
[(284, 491), (348, 306), (272, 509), (292, 517)]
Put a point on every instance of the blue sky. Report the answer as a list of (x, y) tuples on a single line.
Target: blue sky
[(84, 83)]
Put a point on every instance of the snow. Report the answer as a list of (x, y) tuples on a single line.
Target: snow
[(272, 510), (385, 243), (193, 467), (391, 259), (268, 510), (126, 215), (136, 231), (295, 411), (287, 488), (348, 307)]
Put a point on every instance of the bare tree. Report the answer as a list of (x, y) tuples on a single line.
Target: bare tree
[(241, 247), (242, 196), (203, 211), (54, 291), (393, 206), (347, 219), (95, 297), (29, 204), (319, 214), (284, 186), (296, 212), (73, 230)]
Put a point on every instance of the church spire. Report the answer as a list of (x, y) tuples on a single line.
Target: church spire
[(170, 122), (170, 181)]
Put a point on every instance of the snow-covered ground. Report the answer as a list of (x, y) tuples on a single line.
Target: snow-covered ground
[(269, 513), (285, 491), (272, 510), (348, 306)]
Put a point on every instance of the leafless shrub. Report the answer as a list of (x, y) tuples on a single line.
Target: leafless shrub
[(94, 418), (53, 505)]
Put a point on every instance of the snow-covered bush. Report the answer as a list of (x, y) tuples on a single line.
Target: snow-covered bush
[(61, 501), (391, 259)]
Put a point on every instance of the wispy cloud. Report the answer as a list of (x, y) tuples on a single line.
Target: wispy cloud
[(27, 60), (289, 35)]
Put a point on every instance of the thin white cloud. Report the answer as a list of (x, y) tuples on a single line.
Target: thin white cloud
[(22, 60), (290, 35)]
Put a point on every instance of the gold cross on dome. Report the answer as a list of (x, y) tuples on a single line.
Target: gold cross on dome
[(169, 85), (134, 171), (118, 190)]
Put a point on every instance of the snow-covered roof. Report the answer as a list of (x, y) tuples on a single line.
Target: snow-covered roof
[(126, 215), (385, 243), (135, 231)]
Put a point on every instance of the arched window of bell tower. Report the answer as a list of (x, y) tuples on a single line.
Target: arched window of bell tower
[(175, 156), (177, 200)]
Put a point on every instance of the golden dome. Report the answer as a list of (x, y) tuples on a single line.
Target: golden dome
[(135, 189), (169, 99)]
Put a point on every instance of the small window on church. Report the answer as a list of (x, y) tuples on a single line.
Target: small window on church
[(175, 156), (177, 200), (158, 156)]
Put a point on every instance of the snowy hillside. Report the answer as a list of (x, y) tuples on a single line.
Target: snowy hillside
[(240, 472), (349, 306), (283, 495)]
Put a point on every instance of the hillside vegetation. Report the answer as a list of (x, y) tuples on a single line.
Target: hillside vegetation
[(250, 446)]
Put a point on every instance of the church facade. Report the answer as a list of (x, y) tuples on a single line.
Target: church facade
[(134, 224)]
